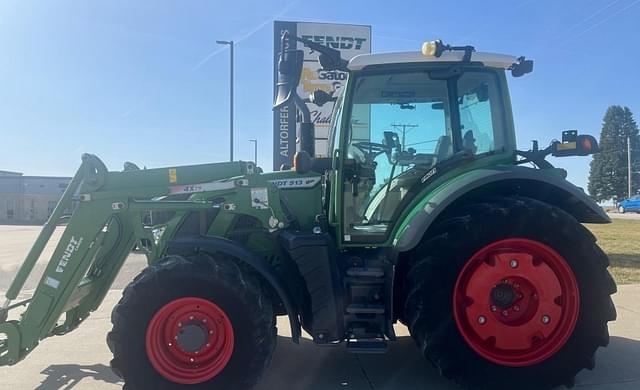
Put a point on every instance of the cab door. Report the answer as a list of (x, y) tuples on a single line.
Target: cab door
[(398, 126)]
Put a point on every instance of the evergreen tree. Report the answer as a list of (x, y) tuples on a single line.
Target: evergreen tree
[(608, 173)]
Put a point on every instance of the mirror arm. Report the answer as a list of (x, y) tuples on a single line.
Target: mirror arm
[(302, 107)]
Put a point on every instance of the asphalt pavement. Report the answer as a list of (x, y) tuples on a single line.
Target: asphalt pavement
[(80, 360)]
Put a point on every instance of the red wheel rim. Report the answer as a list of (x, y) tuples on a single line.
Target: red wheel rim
[(189, 340), (516, 302)]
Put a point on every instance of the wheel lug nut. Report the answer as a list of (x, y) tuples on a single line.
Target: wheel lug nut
[(192, 360), (513, 263), (482, 320), (179, 324), (190, 318), (505, 313), (207, 345), (493, 308), (204, 321), (170, 344), (516, 308), (211, 332), (546, 319), (516, 285)]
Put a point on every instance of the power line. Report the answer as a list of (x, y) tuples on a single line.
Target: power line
[(404, 127)]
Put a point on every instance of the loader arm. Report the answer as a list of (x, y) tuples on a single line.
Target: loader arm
[(105, 226)]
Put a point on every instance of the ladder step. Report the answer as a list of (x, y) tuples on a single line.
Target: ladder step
[(367, 346), (355, 281), (356, 308), (370, 272)]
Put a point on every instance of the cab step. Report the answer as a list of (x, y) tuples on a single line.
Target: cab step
[(365, 272), (363, 308), (367, 346)]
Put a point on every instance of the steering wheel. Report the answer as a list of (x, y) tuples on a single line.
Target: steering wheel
[(372, 147)]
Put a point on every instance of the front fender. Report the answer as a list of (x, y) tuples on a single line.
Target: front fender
[(183, 246), (543, 185)]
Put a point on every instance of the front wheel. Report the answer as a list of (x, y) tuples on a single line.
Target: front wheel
[(201, 322), (509, 293)]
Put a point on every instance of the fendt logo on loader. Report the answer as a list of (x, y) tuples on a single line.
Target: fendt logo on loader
[(72, 247)]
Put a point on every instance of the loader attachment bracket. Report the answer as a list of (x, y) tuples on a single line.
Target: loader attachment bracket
[(10, 346)]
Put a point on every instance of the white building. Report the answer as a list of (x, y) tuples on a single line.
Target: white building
[(29, 199)]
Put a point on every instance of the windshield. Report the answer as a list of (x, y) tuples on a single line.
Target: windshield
[(404, 124)]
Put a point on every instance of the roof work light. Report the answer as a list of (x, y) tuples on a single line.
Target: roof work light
[(433, 48)]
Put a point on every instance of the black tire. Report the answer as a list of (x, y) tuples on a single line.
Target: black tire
[(216, 279), (437, 262)]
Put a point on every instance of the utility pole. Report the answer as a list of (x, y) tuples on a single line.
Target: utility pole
[(629, 163), (404, 131), (230, 44), (404, 128), (255, 151)]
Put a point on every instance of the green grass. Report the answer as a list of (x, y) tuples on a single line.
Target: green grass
[(621, 241)]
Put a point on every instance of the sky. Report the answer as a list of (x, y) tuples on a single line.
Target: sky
[(144, 81)]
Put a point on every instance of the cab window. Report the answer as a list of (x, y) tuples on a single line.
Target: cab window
[(400, 127)]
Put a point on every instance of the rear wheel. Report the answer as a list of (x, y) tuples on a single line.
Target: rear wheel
[(199, 321), (509, 293)]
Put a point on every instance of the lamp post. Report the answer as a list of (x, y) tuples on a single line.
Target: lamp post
[(230, 43), (255, 151)]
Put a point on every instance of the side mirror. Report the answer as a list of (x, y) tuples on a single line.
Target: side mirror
[(329, 58), (521, 67), (320, 97), (574, 145), (289, 70)]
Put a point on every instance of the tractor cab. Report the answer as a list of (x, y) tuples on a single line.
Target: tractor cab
[(406, 118)]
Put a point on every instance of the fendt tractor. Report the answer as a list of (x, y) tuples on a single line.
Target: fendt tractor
[(443, 225)]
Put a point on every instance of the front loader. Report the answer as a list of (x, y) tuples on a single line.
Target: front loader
[(447, 228)]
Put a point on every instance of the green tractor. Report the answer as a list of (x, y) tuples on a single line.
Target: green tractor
[(425, 213)]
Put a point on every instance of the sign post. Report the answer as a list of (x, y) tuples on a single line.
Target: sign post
[(351, 40)]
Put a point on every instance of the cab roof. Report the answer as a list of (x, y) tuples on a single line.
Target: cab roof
[(492, 60)]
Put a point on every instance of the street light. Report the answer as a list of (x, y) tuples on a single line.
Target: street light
[(255, 151), (230, 43)]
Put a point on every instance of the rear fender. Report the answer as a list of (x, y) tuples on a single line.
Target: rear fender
[(543, 185), (184, 246)]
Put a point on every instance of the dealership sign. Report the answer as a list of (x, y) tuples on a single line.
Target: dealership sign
[(351, 40)]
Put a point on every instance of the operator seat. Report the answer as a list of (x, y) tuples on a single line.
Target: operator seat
[(443, 149)]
